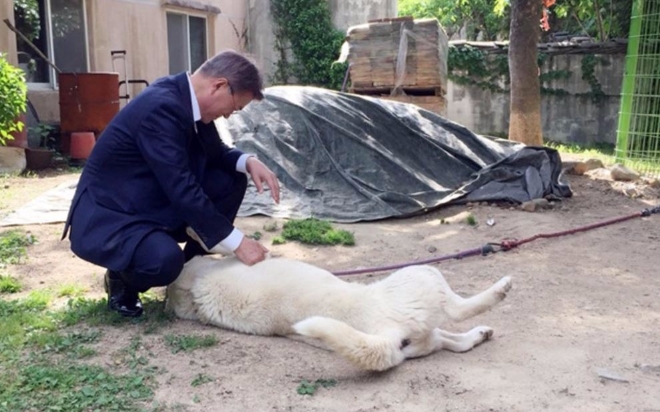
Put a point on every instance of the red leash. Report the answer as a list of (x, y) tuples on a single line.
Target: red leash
[(505, 245)]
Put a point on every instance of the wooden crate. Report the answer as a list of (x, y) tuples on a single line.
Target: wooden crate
[(373, 51), (436, 104)]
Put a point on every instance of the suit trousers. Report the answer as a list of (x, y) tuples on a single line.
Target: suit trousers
[(158, 258)]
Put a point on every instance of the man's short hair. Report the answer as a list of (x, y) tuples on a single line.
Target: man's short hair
[(239, 70)]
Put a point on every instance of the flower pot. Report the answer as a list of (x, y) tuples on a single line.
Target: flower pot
[(38, 158)]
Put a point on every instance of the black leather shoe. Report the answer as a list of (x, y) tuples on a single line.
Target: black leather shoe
[(121, 298)]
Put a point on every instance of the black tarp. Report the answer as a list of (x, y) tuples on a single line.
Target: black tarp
[(346, 158)]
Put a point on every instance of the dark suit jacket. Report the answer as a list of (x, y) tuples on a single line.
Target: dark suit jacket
[(145, 174)]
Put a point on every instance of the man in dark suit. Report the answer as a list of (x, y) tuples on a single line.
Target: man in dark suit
[(159, 169)]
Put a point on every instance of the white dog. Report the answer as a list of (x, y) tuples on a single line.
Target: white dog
[(376, 326)]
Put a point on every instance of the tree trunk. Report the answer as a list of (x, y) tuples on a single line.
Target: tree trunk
[(525, 118)]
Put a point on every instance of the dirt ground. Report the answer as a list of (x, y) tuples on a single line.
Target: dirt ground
[(582, 306)]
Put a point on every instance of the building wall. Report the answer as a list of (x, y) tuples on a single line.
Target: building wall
[(568, 119), (7, 37), (345, 13), (140, 28)]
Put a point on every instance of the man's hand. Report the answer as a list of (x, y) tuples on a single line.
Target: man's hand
[(250, 251), (261, 174)]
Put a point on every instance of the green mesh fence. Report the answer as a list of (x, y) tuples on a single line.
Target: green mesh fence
[(638, 135)]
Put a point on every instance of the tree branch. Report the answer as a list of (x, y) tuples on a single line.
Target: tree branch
[(599, 19)]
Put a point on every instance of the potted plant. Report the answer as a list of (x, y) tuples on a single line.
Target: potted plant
[(38, 158), (13, 90)]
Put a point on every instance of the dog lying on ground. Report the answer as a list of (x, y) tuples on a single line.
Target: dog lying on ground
[(376, 326)]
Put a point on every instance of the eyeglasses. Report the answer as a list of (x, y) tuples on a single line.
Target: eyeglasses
[(233, 100)]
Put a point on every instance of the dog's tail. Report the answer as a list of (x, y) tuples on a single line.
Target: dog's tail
[(371, 352)]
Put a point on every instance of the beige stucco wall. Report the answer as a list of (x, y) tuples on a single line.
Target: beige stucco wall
[(140, 28), (7, 37)]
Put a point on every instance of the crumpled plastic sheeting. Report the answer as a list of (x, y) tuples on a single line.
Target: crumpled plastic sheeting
[(347, 158)]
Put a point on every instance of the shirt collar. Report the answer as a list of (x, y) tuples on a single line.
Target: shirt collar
[(197, 115)]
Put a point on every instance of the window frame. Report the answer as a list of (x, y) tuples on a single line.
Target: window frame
[(189, 14), (53, 84)]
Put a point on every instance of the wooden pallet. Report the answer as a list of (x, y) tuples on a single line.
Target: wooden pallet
[(435, 104), (373, 50)]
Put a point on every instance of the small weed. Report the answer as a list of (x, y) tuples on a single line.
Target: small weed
[(9, 284), (271, 226), (13, 245), (316, 232), (39, 298), (256, 235), (443, 222), (187, 343), (196, 399), (201, 379), (131, 356), (30, 174), (309, 388), (71, 291), (471, 220), (279, 240)]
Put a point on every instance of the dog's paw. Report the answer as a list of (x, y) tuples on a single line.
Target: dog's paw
[(503, 286), (483, 333)]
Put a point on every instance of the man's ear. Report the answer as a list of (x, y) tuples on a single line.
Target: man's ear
[(218, 83)]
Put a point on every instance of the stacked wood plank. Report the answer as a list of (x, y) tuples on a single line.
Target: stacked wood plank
[(373, 53), (435, 104)]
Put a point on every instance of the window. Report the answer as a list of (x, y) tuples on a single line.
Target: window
[(186, 42), (58, 29)]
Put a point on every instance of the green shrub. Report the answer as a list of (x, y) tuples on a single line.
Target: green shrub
[(14, 99)]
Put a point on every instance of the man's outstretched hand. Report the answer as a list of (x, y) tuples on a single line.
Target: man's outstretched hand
[(261, 175)]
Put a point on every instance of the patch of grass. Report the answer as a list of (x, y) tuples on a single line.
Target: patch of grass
[(9, 284), (471, 220), (71, 343), (201, 379), (316, 232), (256, 235), (597, 149), (187, 343), (13, 244), (309, 388), (71, 291), (279, 240), (95, 313), (44, 385), (39, 368)]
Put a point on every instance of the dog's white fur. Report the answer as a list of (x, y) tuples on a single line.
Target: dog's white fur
[(376, 326)]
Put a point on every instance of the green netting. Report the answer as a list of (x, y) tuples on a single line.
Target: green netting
[(638, 135)]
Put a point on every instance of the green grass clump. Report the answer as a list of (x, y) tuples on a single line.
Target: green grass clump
[(187, 343), (9, 284), (13, 245), (309, 388), (316, 232)]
